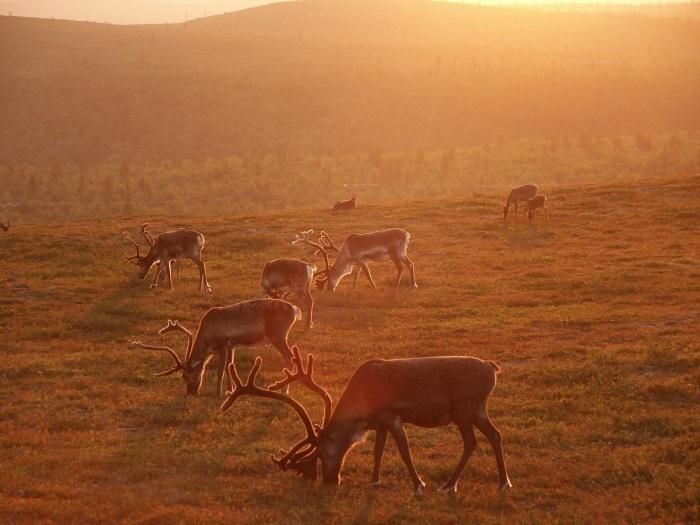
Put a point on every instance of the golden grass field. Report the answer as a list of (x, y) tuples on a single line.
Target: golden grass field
[(594, 318)]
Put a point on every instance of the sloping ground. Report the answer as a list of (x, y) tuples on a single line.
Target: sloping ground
[(123, 11), (593, 318), (333, 78)]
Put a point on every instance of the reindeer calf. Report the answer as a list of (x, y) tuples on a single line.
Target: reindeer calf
[(539, 201)]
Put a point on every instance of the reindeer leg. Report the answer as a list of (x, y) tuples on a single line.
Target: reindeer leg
[(159, 270), (225, 359), (379, 443), (399, 268), (283, 348), (356, 276), (467, 431), (309, 310), (169, 273), (365, 268), (204, 283), (412, 268), (483, 423), (402, 442), (222, 362)]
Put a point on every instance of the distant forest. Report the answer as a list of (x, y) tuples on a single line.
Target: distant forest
[(258, 183), (283, 105)]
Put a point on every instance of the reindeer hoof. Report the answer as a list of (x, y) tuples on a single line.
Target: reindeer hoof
[(506, 486), (419, 489), (376, 483), (153, 286), (447, 489)]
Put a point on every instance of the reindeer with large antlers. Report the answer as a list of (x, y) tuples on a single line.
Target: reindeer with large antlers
[(250, 323), (356, 251), (382, 395), (167, 248)]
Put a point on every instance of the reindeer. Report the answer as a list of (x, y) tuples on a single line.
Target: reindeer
[(539, 201), (382, 395), (283, 277), (166, 248), (356, 251), (349, 204), (521, 193), (250, 323), (5, 226)]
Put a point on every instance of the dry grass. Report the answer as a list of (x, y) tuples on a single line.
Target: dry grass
[(593, 317)]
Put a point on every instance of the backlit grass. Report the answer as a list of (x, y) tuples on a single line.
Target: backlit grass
[(593, 317)]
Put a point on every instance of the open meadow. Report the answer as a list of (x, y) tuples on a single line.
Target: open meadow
[(594, 318)]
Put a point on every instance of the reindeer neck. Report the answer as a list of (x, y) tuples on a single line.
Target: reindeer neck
[(151, 256), (198, 353)]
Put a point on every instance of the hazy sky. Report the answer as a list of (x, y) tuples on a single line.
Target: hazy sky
[(156, 11), (124, 11)]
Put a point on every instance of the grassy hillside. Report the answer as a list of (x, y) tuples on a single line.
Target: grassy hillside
[(334, 77), (123, 11), (258, 183), (286, 105), (593, 318), (689, 9)]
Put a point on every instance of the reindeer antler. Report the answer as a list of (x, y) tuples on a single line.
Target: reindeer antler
[(327, 242), (304, 374), (147, 235), (174, 326), (322, 276), (178, 364), (135, 244), (302, 456)]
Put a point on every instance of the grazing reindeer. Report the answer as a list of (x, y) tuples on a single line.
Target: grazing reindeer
[(382, 395), (349, 204), (521, 193), (261, 321), (356, 251), (166, 248), (5, 226), (282, 277), (539, 201)]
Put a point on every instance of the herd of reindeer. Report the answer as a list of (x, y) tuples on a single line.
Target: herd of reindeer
[(381, 395)]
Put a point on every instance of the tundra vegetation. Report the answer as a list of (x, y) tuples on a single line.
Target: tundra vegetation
[(591, 316), (247, 127)]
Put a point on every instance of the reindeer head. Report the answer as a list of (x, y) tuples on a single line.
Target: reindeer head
[(303, 457), (324, 278), (191, 371), (144, 262)]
